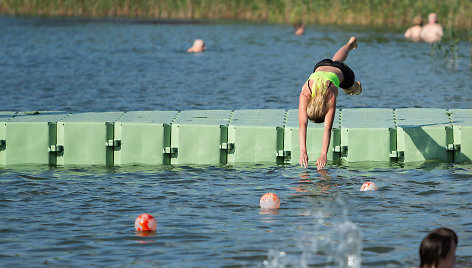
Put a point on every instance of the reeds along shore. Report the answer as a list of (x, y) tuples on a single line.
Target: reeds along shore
[(391, 13)]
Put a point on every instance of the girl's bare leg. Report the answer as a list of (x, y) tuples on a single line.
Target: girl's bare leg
[(341, 54)]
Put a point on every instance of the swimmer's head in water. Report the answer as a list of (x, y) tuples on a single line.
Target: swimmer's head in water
[(199, 44), (418, 20), (438, 247), (432, 18), (299, 28), (318, 105)]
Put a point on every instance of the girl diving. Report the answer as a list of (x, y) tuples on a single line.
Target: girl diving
[(318, 98)]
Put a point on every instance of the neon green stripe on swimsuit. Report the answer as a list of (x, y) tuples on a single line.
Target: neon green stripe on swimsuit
[(327, 76)]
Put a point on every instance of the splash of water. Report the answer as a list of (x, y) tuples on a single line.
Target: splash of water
[(332, 241)]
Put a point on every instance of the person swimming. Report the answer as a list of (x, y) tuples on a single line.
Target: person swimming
[(414, 32), (198, 46), (438, 249), (433, 31), (317, 100), (299, 28)]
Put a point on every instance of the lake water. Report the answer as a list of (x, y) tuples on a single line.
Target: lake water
[(209, 216)]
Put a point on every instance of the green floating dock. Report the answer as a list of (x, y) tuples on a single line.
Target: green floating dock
[(213, 137), (313, 140), (147, 135), (367, 134), (197, 137)]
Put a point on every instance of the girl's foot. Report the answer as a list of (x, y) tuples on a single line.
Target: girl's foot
[(353, 42), (356, 89)]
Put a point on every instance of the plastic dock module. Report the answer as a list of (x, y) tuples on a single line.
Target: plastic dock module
[(213, 137), (256, 136), (423, 134), (462, 133), (30, 138), (368, 134), (143, 137), (314, 138), (87, 139), (4, 118), (200, 137)]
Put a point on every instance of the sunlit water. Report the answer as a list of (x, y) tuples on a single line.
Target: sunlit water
[(209, 216)]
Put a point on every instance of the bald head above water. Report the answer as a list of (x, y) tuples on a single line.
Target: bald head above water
[(198, 46), (433, 18), (432, 32)]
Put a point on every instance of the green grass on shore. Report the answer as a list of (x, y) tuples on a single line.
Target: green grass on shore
[(389, 13)]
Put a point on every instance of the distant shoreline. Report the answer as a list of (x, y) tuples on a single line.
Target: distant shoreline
[(378, 13)]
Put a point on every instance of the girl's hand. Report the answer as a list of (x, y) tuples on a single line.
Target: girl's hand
[(303, 160), (321, 162)]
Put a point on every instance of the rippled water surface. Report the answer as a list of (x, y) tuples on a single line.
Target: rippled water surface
[(103, 65), (209, 216)]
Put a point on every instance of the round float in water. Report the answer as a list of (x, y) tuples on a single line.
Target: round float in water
[(145, 222), (369, 186), (269, 201)]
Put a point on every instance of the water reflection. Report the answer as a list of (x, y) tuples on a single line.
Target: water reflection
[(148, 234), (267, 211), (320, 183)]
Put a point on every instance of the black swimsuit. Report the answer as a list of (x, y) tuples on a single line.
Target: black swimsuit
[(349, 77)]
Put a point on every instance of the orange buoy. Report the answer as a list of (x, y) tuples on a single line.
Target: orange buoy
[(369, 186), (145, 222), (269, 201)]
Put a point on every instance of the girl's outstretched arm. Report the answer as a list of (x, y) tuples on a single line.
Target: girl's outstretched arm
[(302, 123), (329, 118)]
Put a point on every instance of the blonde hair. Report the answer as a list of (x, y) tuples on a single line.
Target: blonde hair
[(318, 105)]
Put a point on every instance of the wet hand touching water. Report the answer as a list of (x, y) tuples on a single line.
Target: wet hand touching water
[(321, 162), (303, 160)]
